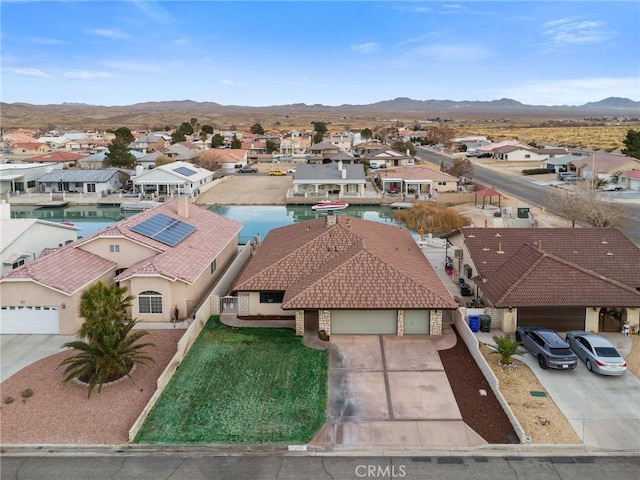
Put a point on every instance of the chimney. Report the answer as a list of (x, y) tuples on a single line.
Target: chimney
[(183, 207), (330, 220), (344, 173), (5, 210), (340, 165)]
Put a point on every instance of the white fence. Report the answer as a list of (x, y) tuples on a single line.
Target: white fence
[(474, 348), (210, 306)]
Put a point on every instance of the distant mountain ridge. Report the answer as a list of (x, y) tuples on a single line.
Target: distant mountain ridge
[(25, 115)]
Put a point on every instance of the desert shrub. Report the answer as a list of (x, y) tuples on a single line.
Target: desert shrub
[(8, 400), (535, 171), (27, 392), (430, 217)]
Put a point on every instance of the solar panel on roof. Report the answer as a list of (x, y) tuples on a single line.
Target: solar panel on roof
[(165, 229), (187, 172)]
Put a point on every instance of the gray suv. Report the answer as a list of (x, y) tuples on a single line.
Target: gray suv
[(548, 347)]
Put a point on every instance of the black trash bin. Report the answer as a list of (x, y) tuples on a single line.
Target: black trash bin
[(485, 323)]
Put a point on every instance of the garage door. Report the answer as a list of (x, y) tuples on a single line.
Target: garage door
[(353, 322), (559, 319), (416, 322), (40, 320)]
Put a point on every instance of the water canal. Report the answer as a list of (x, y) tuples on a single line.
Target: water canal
[(257, 220)]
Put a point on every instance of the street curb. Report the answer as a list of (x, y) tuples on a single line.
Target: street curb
[(215, 450)]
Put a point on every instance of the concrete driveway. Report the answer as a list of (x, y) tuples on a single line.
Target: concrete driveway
[(19, 351), (604, 411), (387, 391)]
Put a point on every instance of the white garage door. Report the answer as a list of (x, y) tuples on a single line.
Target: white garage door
[(416, 322), (365, 322), (40, 320)]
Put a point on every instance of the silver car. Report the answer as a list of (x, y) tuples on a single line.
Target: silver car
[(598, 354), (548, 347)]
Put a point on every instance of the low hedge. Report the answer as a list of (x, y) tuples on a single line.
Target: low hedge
[(535, 171)]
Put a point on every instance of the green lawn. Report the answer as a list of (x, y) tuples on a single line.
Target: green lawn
[(242, 385)]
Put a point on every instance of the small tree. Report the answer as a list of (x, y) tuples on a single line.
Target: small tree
[(118, 154), (632, 142), (462, 167), (124, 134), (366, 134), (271, 146), (583, 204), (217, 141), (257, 129), (236, 143), (506, 348), (107, 348)]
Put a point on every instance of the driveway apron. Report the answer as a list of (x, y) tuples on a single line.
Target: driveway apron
[(390, 391)]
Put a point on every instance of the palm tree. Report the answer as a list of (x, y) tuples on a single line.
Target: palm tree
[(107, 348), (506, 347), (102, 303)]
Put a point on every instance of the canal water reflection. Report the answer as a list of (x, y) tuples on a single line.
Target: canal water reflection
[(256, 219)]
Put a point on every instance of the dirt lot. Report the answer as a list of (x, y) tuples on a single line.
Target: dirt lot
[(250, 188)]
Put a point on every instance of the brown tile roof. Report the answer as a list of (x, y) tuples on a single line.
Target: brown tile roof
[(604, 162), (533, 278), (566, 265), (66, 270), (353, 264)]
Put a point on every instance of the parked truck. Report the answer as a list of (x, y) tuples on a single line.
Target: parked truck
[(248, 169)]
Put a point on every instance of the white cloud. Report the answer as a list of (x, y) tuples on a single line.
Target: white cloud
[(109, 33), (32, 72), (450, 53), (368, 47), (153, 10), (86, 74), (573, 31), (576, 91)]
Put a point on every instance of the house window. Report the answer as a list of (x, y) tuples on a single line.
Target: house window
[(442, 183), (91, 187), (271, 297), (150, 302), (213, 266), (114, 248), (31, 184), (17, 263), (527, 156)]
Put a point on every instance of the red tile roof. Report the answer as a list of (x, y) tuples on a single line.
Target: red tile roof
[(185, 261), (57, 156), (70, 268), (353, 264), (67, 269)]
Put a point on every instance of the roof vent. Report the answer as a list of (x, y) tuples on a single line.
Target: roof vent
[(485, 249), (610, 254), (604, 242), (500, 248), (471, 235), (498, 234)]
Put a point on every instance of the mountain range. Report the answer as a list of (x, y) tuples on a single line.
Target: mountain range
[(149, 114)]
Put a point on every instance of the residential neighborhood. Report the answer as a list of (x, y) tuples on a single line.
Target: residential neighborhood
[(379, 304)]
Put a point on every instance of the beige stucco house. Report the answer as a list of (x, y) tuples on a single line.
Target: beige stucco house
[(168, 257)]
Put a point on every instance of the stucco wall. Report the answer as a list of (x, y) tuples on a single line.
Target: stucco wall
[(130, 252)]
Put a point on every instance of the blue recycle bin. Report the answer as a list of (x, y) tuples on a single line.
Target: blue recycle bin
[(474, 323)]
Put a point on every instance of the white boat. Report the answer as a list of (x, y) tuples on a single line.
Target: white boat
[(330, 205)]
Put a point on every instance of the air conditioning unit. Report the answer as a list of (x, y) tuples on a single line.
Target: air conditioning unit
[(457, 252)]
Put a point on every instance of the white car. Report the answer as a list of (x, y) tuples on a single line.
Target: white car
[(612, 187), (598, 354), (291, 170)]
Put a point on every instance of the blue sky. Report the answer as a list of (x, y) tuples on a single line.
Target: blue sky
[(328, 52)]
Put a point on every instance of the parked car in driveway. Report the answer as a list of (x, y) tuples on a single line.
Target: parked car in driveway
[(597, 353), (548, 347)]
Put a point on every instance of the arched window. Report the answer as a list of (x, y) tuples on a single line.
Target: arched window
[(150, 302)]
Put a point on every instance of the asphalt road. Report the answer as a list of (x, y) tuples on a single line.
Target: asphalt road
[(204, 466), (523, 188)]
